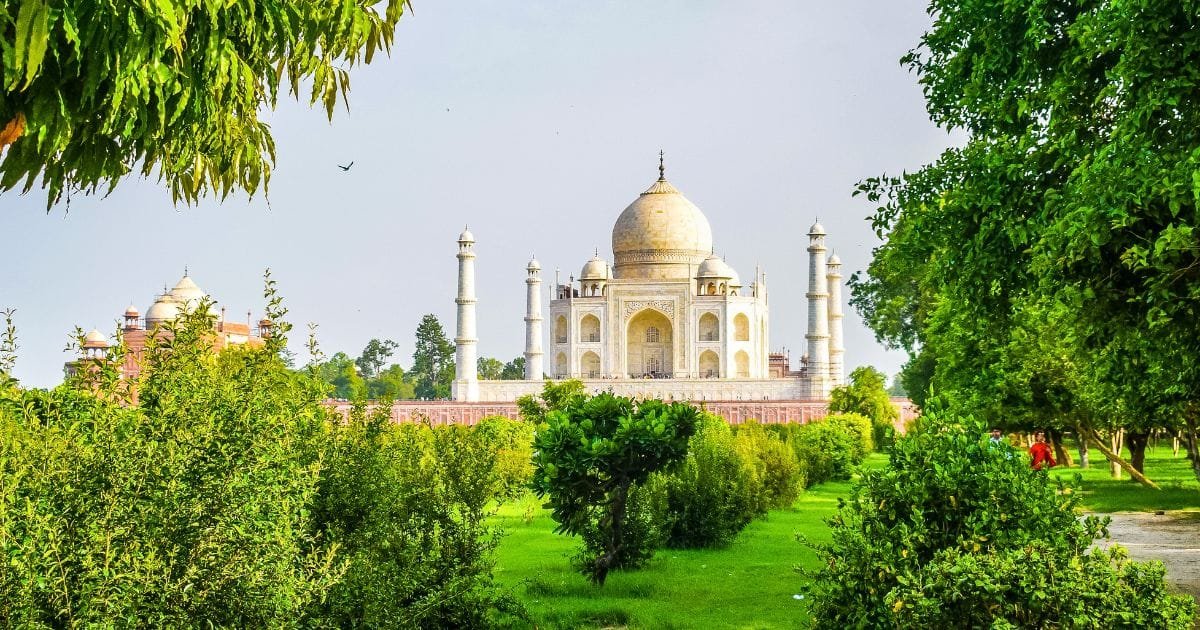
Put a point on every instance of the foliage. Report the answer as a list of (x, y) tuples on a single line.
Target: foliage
[(555, 396), (405, 507), (826, 449), (374, 356), (342, 377), (173, 88), (774, 465), (489, 369), (590, 453), (642, 531), (511, 441), (959, 532), (513, 370), (866, 394), (8, 349), (226, 495), (860, 427), (433, 360), (1046, 273), (713, 494), (191, 504)]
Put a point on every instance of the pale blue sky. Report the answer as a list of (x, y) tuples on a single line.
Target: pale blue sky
[(536, 123)]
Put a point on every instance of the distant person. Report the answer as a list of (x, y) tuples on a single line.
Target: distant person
[(997, 437), (1040, 451)]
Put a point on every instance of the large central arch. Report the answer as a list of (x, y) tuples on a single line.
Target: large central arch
[(649, 345)]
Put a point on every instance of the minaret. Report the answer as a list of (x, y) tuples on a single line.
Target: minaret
[(466, 368), (837, 350), (818, 313), (533, 321)]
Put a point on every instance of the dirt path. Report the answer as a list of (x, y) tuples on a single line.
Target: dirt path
[(1173, 539)]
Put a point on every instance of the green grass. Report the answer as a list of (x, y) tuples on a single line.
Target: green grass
[(750, 584), (1102, 493)]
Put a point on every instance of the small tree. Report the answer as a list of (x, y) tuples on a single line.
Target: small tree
[(867, 395), (958, 532), (489, 369), (514, 370), (589, 455), (433, 360), (374, 356)]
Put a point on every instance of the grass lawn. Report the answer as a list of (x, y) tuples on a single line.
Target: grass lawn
[(1102, 493), (750, 584)]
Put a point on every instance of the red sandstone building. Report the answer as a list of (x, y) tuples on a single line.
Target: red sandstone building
[(137, 330)]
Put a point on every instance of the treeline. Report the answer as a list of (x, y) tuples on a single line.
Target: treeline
[(1046, 274), (372, 376)]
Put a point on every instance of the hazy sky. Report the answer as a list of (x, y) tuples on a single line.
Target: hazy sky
[(535, 123)]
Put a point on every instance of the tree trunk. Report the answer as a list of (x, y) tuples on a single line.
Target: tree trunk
[(1190, 439), (1115, 459), (1136, 441), (1083, 450), (1064, 456), (1175, 444), (612, 542), (1114, 444)]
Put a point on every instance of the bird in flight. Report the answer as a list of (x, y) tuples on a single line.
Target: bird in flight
[(346, 167)]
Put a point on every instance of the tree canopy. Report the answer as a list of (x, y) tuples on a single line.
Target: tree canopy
[(173, 89), (433, 360), (1049, 269)]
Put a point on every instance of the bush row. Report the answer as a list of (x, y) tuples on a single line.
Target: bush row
[(733, 475), (227, 496)]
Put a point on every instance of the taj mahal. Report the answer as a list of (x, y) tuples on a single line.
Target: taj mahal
[(667, 319)]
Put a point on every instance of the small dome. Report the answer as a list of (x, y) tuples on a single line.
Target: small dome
[(714, 267), (817, 229), (187, 292), (164, 309), (466, 236), (95, 339), (834, 260), (131, 311), (534, 265), (594, 269)]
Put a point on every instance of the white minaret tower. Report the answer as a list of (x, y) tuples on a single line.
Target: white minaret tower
[(837, 349), (533, 321), (466, 368), (818, 313)]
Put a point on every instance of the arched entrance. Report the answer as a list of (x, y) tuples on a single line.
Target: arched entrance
[(710, 364), (649, 352)]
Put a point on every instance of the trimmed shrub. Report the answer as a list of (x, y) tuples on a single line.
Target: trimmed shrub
[(956, 532), (859, 426), (714, 492), (776, 469), (512, 443), (826, 450)]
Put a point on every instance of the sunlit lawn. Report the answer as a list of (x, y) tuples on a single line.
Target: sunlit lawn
[(1102, 493), (751, 584)]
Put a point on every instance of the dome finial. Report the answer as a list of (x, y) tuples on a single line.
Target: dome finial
[(185, 271), (662, 170)]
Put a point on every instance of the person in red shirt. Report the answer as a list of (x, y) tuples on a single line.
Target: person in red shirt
[(1040, 451)]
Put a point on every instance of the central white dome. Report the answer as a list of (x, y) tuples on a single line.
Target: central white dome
[(660, 235)]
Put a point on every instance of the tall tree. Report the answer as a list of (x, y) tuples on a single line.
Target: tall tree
[(490, 369), (866, 395), (374, 356), (513, 370), (433, 360), (1069, 215), (173, 88)]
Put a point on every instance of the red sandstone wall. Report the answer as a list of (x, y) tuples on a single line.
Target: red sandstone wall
[(441, 412)]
